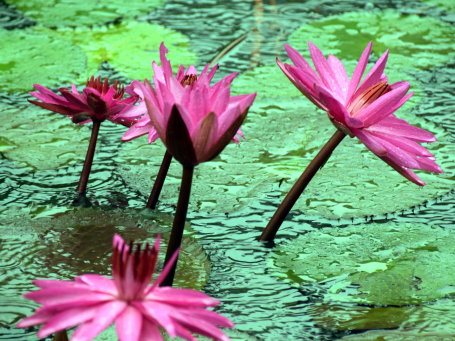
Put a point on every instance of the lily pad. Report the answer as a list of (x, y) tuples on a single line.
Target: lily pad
[(427, 322), (129, 47), (60, 243), (56, 13), (41, 139), (374, 264), (28, 57), (447, 5), (413, 41)]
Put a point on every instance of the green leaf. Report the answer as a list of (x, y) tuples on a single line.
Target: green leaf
[(413, 41), (447, 5), (79, 240), (374, 264), (129, 47), (28, 57), (41, 139), (58, 13)]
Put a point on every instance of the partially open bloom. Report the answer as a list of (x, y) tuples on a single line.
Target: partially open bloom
[(138, 309), (193, 119), (364, 109), (98, 101)]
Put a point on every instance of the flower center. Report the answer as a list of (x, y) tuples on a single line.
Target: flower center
[(132, 269), (103, 86), (368, 96), (189, 80)]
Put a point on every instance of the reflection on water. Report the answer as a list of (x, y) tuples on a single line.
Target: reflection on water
[(262, 305)]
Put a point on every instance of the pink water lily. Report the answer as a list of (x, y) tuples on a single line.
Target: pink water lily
[(193, 119), (98, 101), (137, 308), (364, 109)]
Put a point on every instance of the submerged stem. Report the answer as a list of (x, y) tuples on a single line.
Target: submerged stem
[(179, 222), (159, 181), (83, 180), (274, 224)]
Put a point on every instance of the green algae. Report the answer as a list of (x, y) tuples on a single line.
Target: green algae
[(57, 13), (128, 47), (28, 57), (414, 41), (41, 139)]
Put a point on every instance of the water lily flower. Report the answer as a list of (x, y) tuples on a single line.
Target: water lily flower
[(190, 86), (195, 121), (98, 101), (364, 109), (138, 309)]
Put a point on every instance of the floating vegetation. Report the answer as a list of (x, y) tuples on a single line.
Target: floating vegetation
[(58, 13), (128, 47), (28, 57), (414, 41), (40, 139), (370, 274)]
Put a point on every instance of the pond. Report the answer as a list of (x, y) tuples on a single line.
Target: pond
[(364, 254)]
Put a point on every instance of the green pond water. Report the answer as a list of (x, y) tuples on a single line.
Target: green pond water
[(364, 254)]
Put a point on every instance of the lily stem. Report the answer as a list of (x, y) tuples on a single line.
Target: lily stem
[(285, 207), (82, 187), (179, 222), (159, 181)]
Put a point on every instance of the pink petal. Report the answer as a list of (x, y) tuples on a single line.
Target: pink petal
[(160, 313), (374, 76), (99, 283), (358, 71), (336, 110), (299, 61), (304, 82), (371, 142), (399, 156), (67, 319), (212, 317), (150, 332), (325, 72), (201, 327), (181, 297), (395, 126), (103, 317), (340, 75), (129, 324)]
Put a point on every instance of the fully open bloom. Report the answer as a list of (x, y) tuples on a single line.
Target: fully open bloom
[(98, 101), (364, 109), (193, 119), (137, 308)]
